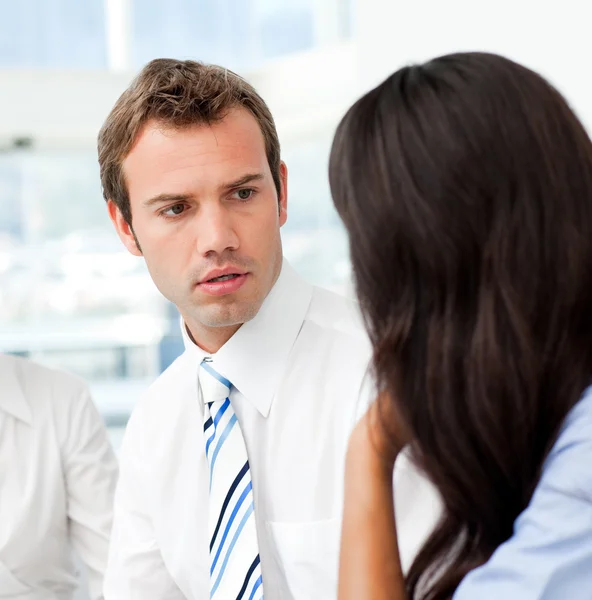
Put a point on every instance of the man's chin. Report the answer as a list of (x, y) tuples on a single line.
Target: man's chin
[(227, 318)]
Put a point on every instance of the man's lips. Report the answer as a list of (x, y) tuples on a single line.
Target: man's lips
[(217, 273), (223, 284)]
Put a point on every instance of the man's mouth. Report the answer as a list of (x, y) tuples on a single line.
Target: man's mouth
[(223, 278), (221, 285)]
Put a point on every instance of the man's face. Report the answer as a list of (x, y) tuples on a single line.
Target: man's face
[(205, 213)]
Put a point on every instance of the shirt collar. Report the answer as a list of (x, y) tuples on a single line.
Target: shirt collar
[(255, 357), (12, 396)]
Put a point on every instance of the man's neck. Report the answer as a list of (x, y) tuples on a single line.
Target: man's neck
[(210, 339)]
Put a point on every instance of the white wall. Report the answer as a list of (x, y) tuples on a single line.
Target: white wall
[(57, 108), (61, 109), (554, 37)]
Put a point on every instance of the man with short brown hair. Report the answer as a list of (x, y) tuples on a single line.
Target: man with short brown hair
[(232, 463)]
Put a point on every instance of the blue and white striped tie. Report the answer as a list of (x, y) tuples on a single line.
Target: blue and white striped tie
[(235, 569)]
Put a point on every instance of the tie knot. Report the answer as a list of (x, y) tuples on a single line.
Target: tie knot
[(214, 387)]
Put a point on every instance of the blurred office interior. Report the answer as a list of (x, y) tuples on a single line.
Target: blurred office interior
[(70, 295)]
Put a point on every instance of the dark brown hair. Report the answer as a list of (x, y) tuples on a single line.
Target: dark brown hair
[(465, 184), (176, 94)]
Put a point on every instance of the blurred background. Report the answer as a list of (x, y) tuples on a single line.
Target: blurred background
[(70, 295)]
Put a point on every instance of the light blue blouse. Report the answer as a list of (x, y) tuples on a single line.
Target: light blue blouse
[(549, 556)]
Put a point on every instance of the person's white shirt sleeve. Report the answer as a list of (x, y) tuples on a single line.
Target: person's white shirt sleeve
[(135, 569), (90, 470)]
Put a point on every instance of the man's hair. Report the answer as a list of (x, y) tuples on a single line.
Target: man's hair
[(176, 94)]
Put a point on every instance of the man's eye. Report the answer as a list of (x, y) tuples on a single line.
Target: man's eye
[(244, 194), (174, 210)]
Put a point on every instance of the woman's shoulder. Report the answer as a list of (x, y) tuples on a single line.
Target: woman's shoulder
[(577, 427), (568, 467), (549, 552)]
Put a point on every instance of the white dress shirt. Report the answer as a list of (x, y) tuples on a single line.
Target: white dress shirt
[(57, 480), (298, 371)]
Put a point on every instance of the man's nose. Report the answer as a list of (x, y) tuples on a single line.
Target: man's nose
[(216, 232)]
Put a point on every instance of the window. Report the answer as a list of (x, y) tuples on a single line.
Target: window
[(53, 33), (235, 33)]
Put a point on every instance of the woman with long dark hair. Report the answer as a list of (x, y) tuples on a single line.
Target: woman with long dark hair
[(465, 185)]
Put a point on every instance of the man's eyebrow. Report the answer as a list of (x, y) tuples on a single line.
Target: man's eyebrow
[(163, 198), (243, 181)]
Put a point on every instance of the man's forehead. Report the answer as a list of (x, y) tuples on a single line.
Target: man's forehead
[(235, 137)]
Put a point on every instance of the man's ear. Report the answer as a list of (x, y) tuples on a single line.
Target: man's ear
[(283, 200), (124, 229)]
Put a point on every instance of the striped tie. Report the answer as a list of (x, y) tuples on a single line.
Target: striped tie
[(235, 569)]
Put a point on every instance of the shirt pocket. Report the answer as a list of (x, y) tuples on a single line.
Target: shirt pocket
[(307, 557), (10, 586)]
